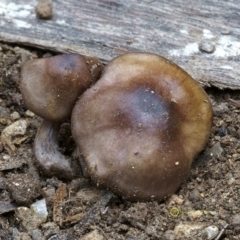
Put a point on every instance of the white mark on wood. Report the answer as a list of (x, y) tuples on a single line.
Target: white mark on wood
[(17, 13), (226, 67), (188, 50), (207, 34), (61, 22), (184, 31), (21, 24), (15, 10), (227, 46)]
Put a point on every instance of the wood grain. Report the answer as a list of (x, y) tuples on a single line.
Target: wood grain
[(105, 29)]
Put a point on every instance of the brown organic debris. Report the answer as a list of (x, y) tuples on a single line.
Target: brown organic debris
[(59, 197), (16, 129)]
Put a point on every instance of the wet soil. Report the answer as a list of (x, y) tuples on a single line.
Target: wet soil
[(205, 207)]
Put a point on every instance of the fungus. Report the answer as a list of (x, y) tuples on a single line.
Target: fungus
[(141, 125), (50, 88)]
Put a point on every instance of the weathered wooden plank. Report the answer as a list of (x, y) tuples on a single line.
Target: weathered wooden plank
[(105, 29)]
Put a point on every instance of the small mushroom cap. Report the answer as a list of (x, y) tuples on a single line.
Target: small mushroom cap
[(141, 125), (51, 86)]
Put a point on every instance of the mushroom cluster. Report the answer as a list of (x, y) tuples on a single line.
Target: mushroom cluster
[(137, 129)]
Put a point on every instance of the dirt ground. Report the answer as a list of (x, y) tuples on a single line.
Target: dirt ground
[(205, 207)]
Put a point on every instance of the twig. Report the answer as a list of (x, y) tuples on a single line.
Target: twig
[(221, 232), (233, 102)]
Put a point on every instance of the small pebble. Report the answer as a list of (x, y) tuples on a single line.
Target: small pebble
[(220, 108), (187, 230), (15, 116), (22, 236), (26, 219), (175, 199), (14, 232), (44, 9), (194, 214), (24, 188), (6, 157), (207, 47), (231, 130), (235, 156), (231, 181), (216, 151), (39, 208), (210, 232), (129, 42), (225, 32), (50, 229), (29, 113), (222, 131), (48, 192), (36, 234), (4, 112), (2, 183), (3, 121), (16, 129), (236, 219), (194, 195)]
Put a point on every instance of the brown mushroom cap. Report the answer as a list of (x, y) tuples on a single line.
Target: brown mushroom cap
[(51, 86), (141, 125)]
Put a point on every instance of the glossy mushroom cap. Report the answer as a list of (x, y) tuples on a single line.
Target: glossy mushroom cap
[(51, 86), (141, 125)]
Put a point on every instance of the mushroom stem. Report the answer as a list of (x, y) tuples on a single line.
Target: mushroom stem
[(48, 157)]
